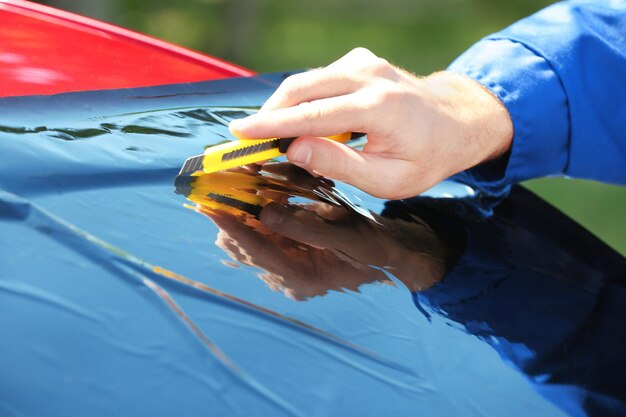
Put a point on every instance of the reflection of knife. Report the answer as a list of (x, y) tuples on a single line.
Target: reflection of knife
[(228, 191), (247, 151)]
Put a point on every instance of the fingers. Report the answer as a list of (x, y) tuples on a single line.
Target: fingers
[(312, 85), (323, 117)]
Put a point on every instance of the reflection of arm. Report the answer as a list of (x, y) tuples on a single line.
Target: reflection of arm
[(560, 73), (408, 250), (548, 297)]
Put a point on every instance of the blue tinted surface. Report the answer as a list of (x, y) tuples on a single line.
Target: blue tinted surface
[(115, 299)]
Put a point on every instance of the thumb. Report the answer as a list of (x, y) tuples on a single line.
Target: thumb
[(379, 176)]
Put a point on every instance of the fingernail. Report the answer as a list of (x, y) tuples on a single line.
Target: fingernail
[(302, 154), (271, 215)]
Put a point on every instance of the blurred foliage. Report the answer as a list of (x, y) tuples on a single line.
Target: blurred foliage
[(419, 35), (275, 35)]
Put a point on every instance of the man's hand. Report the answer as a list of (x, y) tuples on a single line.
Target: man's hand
[(420, 130)]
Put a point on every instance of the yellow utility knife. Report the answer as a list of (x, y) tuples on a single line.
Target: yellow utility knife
[(243, 152)]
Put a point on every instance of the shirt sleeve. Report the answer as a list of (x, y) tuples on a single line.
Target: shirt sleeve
[(561, 73)]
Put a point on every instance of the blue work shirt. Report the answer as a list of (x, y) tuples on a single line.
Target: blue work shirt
[(561, 73)]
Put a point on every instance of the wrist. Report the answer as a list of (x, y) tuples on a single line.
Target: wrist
[(479, 118)]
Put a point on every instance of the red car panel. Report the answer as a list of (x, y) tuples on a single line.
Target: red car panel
[(48, 51)]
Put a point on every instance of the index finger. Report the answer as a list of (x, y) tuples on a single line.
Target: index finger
[(324, 117)]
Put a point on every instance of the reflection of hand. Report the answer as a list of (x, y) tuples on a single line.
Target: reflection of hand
[(419, 130), (409, 251), (301, 271), (305, 254)]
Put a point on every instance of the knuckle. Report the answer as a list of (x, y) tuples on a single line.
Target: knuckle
[(380, 67), (291, 81), (390, 93), (314, 111), (383, 100), (362, 52), (311, 113), (290, 86), (272, 118), (369, 64), (362, 60), (381, 97)]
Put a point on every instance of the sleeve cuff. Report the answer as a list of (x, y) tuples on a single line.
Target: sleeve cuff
[(533, 94)]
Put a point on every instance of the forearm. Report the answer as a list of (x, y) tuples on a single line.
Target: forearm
[(560, 73)]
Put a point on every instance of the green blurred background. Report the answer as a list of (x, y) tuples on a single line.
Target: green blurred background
[(419, 35)]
